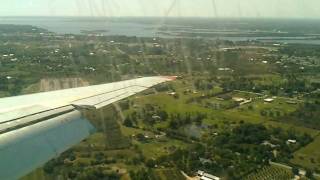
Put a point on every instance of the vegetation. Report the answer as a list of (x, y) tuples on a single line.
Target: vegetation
[(270, 172), (213, 118)]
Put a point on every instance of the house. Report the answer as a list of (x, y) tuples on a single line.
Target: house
[(238, 99), (224, 69), (246, 101), (200, 173), (156, 117), (205, 161), (172, 93), (268, 100), (205, 176), (291, 141)]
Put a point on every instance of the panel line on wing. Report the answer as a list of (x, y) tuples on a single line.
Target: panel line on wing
[(96, 100)]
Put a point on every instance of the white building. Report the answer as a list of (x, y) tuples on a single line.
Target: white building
[(269, 100), (291, 141), (205, 176)]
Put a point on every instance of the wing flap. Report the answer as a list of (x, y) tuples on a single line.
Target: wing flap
[(35, 128), (105, 99), (91, 96)]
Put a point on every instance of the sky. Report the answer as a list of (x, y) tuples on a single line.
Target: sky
[(180, 8)]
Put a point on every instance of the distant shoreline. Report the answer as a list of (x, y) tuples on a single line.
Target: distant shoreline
[(233, 29)]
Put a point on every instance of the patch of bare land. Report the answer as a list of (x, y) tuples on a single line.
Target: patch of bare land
[(64, 83)]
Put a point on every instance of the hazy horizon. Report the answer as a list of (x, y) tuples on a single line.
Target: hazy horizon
[(164, 8)]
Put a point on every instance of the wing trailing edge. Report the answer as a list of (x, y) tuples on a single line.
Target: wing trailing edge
[(38, 127)]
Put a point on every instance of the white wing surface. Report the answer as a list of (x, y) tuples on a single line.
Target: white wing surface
[(38, 127)]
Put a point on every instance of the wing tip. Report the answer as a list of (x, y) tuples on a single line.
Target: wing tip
[(170, 78)]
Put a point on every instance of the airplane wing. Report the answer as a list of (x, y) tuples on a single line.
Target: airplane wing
[(38, 127)]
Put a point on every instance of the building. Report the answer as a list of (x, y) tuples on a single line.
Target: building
[(267, 143), (291, 141), (238, 99), (268, 100), (205, 176), (172, 93)]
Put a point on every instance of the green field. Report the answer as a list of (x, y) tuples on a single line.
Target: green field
[(153, 147), (270, 173), (168, 174), (309, 156)]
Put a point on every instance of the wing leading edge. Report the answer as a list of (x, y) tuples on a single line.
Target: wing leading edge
[(38, 127)]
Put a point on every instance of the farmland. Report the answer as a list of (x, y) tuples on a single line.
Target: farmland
[(234, 107), (308, 156), (270, 172)]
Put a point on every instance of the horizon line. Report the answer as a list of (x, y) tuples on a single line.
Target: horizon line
[(182, 17)]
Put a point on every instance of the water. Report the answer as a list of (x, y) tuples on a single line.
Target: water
[(292, 31), (63, 25)]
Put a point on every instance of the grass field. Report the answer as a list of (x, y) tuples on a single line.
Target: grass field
[(309, 156), (168, 174), (156, 149), (299, 129), (224, 119), (278, 107), (153, 147), (250, 112)]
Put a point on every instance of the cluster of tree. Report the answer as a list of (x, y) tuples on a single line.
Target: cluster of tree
[(270, 113), (178, 120), (203, 85), (94, 173), (67, 167), (237, 152), (300, 50), (145, 174), (306, 115), (164, 87), (289, 86), (12, 29), (14, 86), (174, 134), (149, 114)]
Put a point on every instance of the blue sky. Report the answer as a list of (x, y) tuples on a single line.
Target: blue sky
[(200, 8)]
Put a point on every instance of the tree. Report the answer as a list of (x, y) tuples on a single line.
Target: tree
[(150, 163), (263, 113), (309, 174), (127, 122), (173, 124), (49, 167), (295, 171), (163, 114), (198, 121), (271, 114), (140, 137)]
